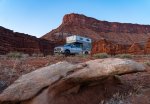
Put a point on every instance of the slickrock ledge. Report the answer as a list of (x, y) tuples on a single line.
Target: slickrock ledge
[(44, 85)]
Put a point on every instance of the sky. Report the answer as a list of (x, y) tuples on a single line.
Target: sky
[(38, 17)]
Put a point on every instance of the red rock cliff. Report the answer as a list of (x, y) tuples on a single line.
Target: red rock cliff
[(147, 47), (13, 41), (112, 48), (122, 33)]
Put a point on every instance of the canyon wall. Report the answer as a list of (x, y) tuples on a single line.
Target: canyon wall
[(112, 48), (147, 47), (105, 46), (13, 41)]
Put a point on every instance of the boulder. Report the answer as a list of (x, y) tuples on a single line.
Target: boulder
[(43, 85), (30, 84)]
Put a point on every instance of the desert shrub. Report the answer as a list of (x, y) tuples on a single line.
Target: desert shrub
[(17, 55), (14, 55), (37, 55), (147, 63), (25, 55), (116, 99), (124, 56), (101, 55)]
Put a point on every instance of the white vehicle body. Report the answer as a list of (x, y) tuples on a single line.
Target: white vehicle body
[(76, 38), (75, 45), (69, 47)]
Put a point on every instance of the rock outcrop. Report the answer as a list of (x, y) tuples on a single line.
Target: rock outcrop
[(136, 48), (122, 33), (147, 47), (12, 41), (112, 48), (61, 83)]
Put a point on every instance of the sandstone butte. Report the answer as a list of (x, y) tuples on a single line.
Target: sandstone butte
[(109, 37)]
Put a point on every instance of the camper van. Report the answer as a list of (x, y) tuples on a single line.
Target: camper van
[(75, 45)]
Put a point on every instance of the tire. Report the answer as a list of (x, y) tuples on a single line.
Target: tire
[(67, 52), (86, 53)]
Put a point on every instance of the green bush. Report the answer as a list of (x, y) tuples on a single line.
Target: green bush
[(101, 55), (124, 56), (14, 55)]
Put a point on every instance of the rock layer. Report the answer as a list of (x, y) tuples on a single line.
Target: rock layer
[(12, 41)]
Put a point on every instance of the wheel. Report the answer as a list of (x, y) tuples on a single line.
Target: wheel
[(67, 52), (86, 53)]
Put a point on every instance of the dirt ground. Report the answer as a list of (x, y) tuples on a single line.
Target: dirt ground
[(12, 68), (136, 86)]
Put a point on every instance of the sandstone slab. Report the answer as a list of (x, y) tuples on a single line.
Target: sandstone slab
[(61, 77)]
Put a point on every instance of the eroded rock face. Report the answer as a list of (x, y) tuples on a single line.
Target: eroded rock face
[(12, 41), (147, 47), (51, 84), (136, 49), (122, 33), (112, 48)]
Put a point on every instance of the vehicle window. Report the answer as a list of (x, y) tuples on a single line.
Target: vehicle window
[(81, 38), (72, 46), (87, 40), (78, 45)]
